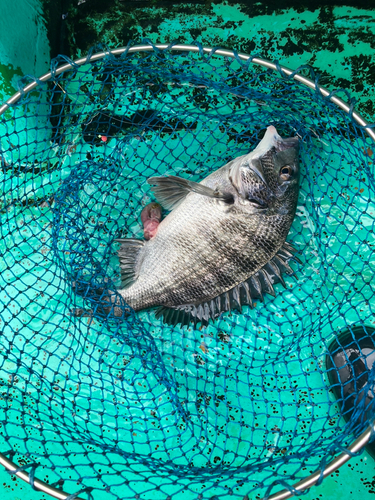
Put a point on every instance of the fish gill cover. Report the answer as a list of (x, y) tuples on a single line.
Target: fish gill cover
[(130, 407)]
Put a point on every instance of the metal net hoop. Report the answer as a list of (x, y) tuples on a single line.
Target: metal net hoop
[(74, 178)]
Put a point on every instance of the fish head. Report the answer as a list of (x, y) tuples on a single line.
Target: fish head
[(268, 177)]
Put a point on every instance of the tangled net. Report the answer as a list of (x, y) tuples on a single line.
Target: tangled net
[(132, 408)]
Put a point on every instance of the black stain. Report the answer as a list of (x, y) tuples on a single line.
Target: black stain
[(314, 39), (195, 33), (135, 20), (269, 7), (291, 48)]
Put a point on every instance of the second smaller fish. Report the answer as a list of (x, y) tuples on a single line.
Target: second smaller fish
[(151, 218)]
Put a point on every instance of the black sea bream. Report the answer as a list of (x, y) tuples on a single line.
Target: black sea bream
[(223, 243)]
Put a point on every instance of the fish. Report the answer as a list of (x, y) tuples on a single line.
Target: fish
[(151, 217), (223, 244)]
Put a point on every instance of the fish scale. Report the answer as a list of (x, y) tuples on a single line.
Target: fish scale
[(224, 238)]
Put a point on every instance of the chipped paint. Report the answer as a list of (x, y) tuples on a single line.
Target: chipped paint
[(337, 41), (24, 48)]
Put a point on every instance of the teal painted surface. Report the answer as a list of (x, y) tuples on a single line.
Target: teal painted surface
[(345, 55), (24, 50), (24, 47), (337, 41)]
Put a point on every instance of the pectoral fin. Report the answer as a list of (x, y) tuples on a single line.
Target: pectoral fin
[(171, 191)]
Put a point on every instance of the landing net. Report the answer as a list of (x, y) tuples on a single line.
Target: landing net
[(131, 408)]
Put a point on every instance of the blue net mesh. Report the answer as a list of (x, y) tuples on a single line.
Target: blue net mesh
[(132, 408)]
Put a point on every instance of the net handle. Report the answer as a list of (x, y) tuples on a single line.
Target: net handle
[(364, 438)]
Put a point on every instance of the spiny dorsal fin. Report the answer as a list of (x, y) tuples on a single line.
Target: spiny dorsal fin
[(267, 282), (236, 298), (246, 294), (171, 191), (128, 255), (262, 281), (173, 316), (282, 260), (289, 251), (255, 282), (273, 267)]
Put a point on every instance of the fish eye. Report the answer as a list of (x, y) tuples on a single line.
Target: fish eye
[(286, 172)]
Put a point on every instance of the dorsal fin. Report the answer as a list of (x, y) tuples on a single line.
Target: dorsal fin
[(288, 250), (236, 300), (254, 287), (246, 295), (170, 191), (274, 270), (266, 282), (282, 261), (128, 255), (255, 283)]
